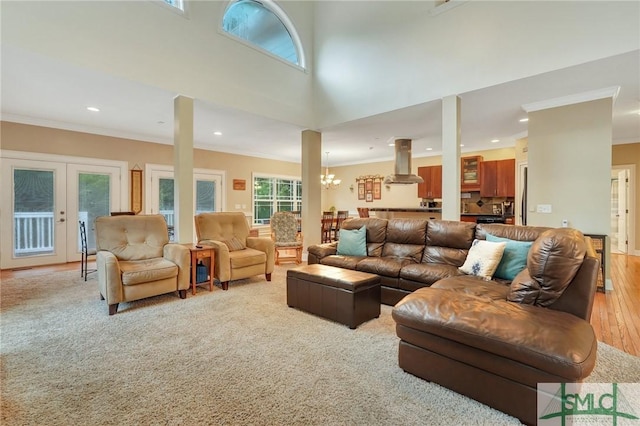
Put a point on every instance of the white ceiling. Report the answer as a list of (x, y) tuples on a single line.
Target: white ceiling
[(46, 91)]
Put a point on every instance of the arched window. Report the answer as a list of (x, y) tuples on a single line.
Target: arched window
[(265, 25)]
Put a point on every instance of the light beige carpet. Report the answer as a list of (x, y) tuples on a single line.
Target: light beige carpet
[(224, 357)]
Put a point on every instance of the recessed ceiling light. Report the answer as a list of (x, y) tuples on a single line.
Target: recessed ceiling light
[(495, 140), (429, 149), (524, 120), (217, 133), (392, 144), (461, 144), (93, 109)]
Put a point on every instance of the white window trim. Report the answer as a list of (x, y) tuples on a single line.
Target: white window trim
[(182, 12), (284, 18), (255, 175)]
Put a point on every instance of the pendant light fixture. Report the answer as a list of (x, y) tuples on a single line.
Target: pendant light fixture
[(329, 180)]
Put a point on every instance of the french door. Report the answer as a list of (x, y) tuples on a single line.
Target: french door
[(207, 190), (44, 198)]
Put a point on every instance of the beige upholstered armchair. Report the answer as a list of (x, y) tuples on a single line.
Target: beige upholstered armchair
[(135, 259), (237, 254)]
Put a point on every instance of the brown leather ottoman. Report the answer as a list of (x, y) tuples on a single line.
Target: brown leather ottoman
[(342, 295)]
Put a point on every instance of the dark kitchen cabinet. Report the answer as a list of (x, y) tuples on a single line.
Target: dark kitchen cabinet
[(432, 185), (498, 178)]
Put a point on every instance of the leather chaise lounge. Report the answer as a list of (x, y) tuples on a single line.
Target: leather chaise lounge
[(492, 340)]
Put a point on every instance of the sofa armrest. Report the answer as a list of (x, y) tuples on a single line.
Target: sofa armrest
[(222, 263), (318, 251), (267, 246), (109, 277), (181, 256)]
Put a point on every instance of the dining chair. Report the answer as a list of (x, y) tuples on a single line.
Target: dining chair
[(363, 211), (327, 226), (340, 216), (86, 252)]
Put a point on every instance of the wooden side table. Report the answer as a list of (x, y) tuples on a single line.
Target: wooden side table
[(199, 253)]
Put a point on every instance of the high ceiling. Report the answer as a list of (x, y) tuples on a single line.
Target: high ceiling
[(46, 91)]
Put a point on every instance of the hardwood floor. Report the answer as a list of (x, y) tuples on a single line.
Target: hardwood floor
[(616, 314), (615, 317)]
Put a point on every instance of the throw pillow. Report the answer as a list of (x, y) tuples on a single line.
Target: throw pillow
[(352, 242), (483, 258), (514, 258), (234, 244)]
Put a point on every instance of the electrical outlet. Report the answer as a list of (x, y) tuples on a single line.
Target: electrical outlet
[(543, 208), (565, 223)]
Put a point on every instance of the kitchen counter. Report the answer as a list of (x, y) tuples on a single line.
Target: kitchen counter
[(406, 209)]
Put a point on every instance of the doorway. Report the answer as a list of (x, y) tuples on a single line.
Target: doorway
[(45, 197), (622, 209)]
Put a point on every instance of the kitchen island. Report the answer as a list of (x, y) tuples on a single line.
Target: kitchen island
[(406, 212)]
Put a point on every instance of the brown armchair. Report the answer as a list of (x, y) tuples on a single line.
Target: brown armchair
[(135, 259), (238, 255)]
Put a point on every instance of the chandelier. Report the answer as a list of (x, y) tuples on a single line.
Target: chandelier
[(329, 180)]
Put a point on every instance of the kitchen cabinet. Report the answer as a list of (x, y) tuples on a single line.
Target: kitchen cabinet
[(432, 185), (471, 173), (498, 178)]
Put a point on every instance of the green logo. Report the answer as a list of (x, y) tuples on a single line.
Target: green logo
[(581, 399)]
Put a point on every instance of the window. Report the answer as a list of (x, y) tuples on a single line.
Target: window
[(178, 4), (265, 25), (272, 194)]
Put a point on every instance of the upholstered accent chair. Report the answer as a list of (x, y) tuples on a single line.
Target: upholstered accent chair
[(135, 259), (284, 233), (237, 255)]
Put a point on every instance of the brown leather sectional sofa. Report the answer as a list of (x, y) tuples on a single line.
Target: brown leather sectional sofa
[(493, 341)]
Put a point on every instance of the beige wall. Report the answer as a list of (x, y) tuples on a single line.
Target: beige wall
[(22, 137), (629, 154)]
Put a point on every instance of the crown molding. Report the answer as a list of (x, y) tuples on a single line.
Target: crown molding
[(608, 92)]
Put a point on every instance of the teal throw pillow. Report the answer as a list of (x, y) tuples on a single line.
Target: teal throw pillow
[(514, 258), (353, 242)]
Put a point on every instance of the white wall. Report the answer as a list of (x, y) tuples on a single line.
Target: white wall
[(404, 56), (185, 55)]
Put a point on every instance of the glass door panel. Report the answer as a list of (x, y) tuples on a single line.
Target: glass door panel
[(37, 219)]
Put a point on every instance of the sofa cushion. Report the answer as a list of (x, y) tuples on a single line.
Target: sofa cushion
[(483, 258), (553, 261), (514, 258), (353, 242), (376, 232), (427, 273), (347, 262), (247, 257), (448, 242), (476, 286), (144, 271), (384, 266)]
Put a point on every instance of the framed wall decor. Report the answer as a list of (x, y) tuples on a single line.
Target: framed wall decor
[(377, 190), (136, 190), (369, 197), (239, 184), (360, 190)]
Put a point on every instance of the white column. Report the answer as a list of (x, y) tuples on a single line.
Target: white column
[(451, 158), (183, 168), (311, 188)]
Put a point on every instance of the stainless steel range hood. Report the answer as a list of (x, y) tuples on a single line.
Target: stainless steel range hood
[(402, 175)]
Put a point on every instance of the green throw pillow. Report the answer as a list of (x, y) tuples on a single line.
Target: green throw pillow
[(353, 242), (514, 258)]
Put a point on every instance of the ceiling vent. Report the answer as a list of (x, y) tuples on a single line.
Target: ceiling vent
[(402, 175)]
